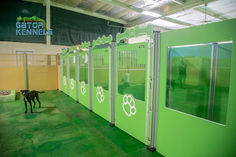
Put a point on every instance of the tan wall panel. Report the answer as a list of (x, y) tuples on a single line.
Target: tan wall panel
[(59, 76), (12, 78), (42, 77)]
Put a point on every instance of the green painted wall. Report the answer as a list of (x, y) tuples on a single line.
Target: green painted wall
[(183, 135)]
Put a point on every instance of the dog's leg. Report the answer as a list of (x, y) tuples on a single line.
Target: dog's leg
[(25, 106), (31, 107), (37, 97), (33, 102)]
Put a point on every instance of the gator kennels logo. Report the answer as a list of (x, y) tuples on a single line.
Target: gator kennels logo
[(31, 26)]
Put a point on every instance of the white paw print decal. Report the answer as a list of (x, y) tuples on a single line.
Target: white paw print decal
[(64, 80), (72, 83), (129, 105), (100, 94), (82, 86)]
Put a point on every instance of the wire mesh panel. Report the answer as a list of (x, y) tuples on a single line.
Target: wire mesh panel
[(72, 80), (101, 95), (64, 73), (42, 72), (83, 73), (131, 89), (12, 72)]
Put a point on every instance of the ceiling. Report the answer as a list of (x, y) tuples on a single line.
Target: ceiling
[(166, 14)]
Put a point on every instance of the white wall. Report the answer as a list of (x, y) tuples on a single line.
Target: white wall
[(7, 47)]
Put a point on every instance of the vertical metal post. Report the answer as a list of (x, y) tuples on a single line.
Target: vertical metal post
[(113, 83), (76, 77), (68, 72), (26, 71), (155, 89), (61, 65), (90, 80), (148, 93), (211, 98), (48, 19), (109, 84), (170, 76)]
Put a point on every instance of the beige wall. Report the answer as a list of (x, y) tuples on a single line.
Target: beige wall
[(11, 47), (40, 78)]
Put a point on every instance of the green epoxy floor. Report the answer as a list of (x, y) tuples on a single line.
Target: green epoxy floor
[(62, 128)]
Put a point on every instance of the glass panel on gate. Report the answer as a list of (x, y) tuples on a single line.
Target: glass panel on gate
[(131, 75), (72, 67), (83, 68), (101, 71), (64, 66)]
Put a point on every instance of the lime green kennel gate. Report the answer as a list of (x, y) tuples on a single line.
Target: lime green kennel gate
[(134, 56), (72, 72), (101, 77), (83, 74), (64, 71)]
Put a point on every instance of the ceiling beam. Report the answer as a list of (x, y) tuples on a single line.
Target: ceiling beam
[(95, 6), (82, 11), (211, 13), (132, 18), (86, 12), (124, 11), (169, 10), (176, 21), (122, 5), (131, 8), (208, 11), (121, 13), (107, 7)]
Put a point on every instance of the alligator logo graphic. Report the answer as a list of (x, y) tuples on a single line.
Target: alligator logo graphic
[(32, 19), (82, 87), (100, 94), (129, 105), (72, 83)]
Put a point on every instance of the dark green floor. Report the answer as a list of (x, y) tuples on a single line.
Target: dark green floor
[(62, 128)]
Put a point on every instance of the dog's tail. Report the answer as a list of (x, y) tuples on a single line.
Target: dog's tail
[(41, 92)]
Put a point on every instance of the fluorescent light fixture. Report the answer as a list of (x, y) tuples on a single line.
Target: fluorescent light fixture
[(149, 13)]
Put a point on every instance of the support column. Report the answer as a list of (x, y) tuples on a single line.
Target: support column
[(68, 72), (155, 87), (77, 76), (90, 80), (26, 71), (113, 83), (61, 68), (48, 20)]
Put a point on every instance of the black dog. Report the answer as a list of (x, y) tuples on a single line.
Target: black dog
[(30, 96)]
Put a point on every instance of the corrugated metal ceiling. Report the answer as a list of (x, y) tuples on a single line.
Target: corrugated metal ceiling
[(174, 14)]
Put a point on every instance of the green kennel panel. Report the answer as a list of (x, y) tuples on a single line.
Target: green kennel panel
[(101, 77), (133, 86), (130, 109), (64, 72), (101, 96), (196, 111), (83, 72), (72, 73)]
